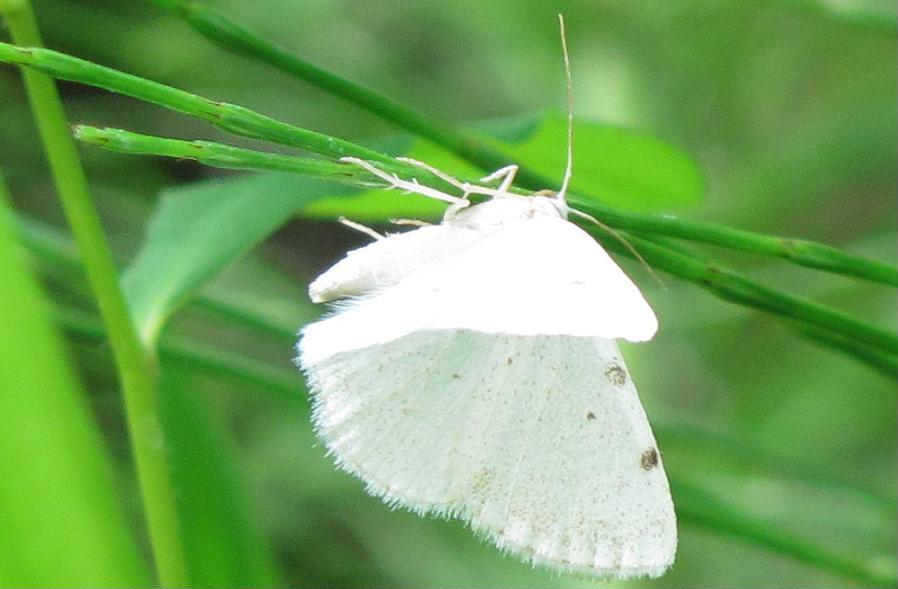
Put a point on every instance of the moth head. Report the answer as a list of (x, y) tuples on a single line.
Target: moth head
[(505, 209)]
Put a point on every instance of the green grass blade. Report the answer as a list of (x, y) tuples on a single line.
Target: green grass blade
[(245, 122), (218, 155), (884, 363), (802, 252), (235, 119), (224, 544), (229, 117), (734, 287), (197, 231), (234, 37), (185, 352), (722, 282), (133, 364), (63, 522), (237, 38)]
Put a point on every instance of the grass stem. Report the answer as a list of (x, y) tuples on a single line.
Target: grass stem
[(136, 367), (240, 40)]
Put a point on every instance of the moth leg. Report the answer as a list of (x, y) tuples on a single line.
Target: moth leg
[(506, 174), (361, 228), (463, 186), (412, 185), (466, 187), (412, 222)]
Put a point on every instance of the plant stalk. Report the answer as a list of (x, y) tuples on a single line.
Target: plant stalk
[(136, 367), (240, 40), (721, 281), (247, 123)]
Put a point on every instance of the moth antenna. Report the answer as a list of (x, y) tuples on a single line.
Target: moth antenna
[(361, 228), (622, 240), (569, 168)]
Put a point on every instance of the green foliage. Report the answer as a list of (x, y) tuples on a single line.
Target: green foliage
[(629, 170), (224, 547), (62, 519), (133, 363), (198, 231), (780, 449)]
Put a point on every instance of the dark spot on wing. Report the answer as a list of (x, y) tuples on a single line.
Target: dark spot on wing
[(649, 459), (590, 416), (456, 376), (616, 374)]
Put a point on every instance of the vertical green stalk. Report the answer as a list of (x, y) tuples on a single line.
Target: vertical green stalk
[(136, 365), (58, 502)]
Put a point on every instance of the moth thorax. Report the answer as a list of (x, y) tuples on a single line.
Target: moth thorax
[(503, 209)]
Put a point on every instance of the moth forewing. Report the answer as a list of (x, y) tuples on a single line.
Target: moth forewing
[(385, 262)]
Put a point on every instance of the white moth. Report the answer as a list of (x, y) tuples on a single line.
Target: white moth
[(470, 370)]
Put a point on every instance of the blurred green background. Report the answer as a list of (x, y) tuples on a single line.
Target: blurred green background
[(788, 109)]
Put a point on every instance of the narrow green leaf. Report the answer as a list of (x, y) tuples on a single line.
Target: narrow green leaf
[(61, 523), (235, 37), (134, 364), (211, 153), (198, 230), (223, 542)]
